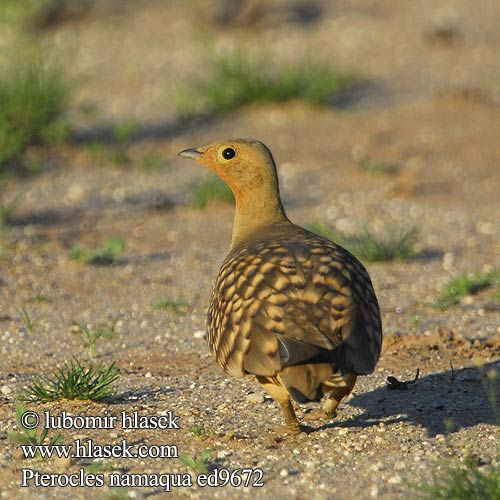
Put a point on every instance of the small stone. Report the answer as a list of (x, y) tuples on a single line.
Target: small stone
[(200, 334), (467, 300), (256, 397), (448, 261), (284, 472), (5, 390), (395, 479), (62, 463), (485, 227), (77, 193), (148, 375), (75, 329)]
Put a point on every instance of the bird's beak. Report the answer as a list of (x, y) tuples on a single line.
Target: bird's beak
[(192, 154)]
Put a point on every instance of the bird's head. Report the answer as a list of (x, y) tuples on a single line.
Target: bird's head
[(245, 165)]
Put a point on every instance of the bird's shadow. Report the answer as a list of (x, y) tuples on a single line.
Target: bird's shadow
[(441, 403)]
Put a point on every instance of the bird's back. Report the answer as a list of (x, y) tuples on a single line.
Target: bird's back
[(289, 298)]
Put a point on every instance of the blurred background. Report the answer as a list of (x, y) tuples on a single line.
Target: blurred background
[(384, 118)]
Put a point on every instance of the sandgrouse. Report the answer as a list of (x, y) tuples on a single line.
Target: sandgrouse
[(288, 306)]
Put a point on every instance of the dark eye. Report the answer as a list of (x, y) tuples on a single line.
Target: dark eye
[(228, 154)]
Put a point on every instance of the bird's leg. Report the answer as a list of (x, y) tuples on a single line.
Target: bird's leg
[(289, 413), (281, 396), (338, 393), (337, 389)]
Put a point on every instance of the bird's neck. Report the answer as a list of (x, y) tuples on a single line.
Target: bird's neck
[(256, 210)]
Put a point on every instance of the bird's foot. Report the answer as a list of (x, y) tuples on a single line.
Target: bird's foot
[(292, 429), (319, 414)]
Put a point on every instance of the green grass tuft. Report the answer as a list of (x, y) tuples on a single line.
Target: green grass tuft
[(210, 189), (73, 380), (108, 254), (150, 161), (40, 14), (176, 306), (90, 336), (198, 430), (237, 80), (396, 245), (125, 131), (465, 482), (467, 284), (197, 464), (28, 436), (33, 97), (378, 168), (117, 152), (6, 211), (327, 232), (27, 320)]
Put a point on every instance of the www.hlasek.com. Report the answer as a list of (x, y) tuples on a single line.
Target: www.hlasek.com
[(89, 449)]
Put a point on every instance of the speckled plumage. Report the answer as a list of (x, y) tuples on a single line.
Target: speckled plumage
[(288, 306)]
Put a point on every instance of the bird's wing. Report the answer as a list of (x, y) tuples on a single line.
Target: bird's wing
[(338, 308), (282, 303)]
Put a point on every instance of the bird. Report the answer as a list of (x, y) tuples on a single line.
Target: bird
[(290, 307)]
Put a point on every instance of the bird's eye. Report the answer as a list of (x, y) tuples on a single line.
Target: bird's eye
[(228, 154)]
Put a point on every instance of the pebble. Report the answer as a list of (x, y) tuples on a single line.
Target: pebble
[(284, 472), (76, 193), (468, 300), (62, 462), (448, 261), (256, 397), (5, 390), (485, 228), (397, 479), (199, 334)]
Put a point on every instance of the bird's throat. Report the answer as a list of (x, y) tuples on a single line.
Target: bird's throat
[(255, 212)]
